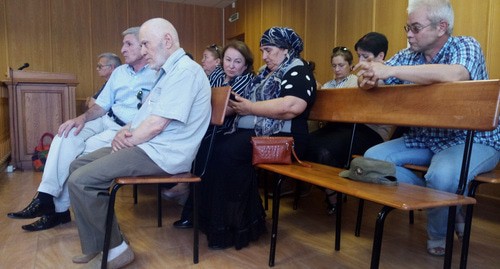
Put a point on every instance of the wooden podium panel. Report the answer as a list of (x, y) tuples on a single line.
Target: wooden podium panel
[(38, 102)]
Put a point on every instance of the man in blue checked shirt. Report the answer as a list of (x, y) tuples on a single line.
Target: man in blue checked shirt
[(433, 56)]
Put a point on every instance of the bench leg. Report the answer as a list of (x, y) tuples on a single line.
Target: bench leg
[(452, 213), (262, 179), (359, 218), (468, 225), (466, 238), (338, 221), (266, 191), (377, 239), (134, 193), (159, 205), (276, 207), (109, 224), (296, 193), (194, 189)]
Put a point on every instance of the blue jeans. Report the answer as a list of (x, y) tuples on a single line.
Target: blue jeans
[(443, 173)]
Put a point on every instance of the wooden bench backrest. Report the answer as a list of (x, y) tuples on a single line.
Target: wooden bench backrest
[(220, 98), (460, 105)]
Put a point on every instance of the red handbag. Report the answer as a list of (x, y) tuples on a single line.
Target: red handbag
[(274, 149), (41, 152)]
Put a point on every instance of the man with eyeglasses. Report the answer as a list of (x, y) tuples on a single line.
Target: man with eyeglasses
[(115, 106), (106, 64), (434, 56)]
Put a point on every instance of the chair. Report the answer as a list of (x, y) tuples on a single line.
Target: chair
[(220, 97)]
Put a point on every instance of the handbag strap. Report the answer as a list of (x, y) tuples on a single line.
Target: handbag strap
[(43, 138), (298, 160)]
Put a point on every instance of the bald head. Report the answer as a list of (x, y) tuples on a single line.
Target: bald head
[(159, 40)]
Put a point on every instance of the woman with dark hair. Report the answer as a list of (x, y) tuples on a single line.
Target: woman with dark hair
[(372, 47), (237, 72), (237, 64), (276, 103)]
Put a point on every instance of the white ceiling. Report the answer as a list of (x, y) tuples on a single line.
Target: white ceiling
[(208, 3)]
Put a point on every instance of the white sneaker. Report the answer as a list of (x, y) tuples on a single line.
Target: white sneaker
[(175, 191), (122, 260)]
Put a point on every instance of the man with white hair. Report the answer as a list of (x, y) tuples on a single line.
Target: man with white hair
[(163, 138), (434, 56)]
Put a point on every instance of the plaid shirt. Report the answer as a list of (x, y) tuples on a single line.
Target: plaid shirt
[(461, 50)]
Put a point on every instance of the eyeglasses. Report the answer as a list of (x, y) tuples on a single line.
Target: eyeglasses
[(101, 66), (337, 49), (139, 96), (415, 28)]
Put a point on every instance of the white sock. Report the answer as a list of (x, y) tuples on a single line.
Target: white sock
[(116, 251)]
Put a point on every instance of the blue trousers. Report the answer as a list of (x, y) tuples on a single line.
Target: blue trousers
[(443, 173)]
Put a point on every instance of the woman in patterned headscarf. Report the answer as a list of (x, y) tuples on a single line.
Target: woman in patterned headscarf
[(276, 103)]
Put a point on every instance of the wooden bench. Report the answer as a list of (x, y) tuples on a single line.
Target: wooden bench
[(468, 105)]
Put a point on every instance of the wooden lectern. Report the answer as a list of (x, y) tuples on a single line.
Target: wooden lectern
[(38, 102)]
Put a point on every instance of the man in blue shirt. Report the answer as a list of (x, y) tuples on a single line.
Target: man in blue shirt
[(115, 106), (163, 138), (107, 62), (433, 56)]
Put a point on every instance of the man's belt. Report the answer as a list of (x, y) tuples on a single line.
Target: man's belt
[(115, 118)]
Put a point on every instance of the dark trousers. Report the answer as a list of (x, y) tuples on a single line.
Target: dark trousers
[(330, 145)]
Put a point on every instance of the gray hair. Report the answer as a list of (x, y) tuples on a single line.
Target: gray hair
[(112, 59), (437, 11), (132, 31)]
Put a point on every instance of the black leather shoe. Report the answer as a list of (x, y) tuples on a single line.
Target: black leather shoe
[(217, 247), (48, 221), (183, 224), (35, 209)]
